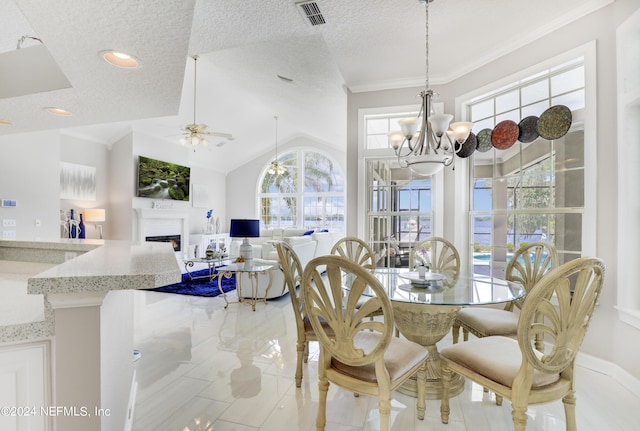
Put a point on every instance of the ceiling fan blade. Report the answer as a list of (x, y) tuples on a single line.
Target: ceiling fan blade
[(228, 136)]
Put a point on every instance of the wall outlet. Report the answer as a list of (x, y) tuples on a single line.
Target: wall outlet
[(8, 222)]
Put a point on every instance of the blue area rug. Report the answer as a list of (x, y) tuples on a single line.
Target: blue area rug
[(199, 287)]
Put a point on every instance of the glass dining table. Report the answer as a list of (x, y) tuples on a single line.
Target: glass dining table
[(425, 309)]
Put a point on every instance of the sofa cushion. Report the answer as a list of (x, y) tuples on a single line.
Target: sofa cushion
[(296, 240)]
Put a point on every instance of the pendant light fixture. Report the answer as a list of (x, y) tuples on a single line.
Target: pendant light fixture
[(277, 168)]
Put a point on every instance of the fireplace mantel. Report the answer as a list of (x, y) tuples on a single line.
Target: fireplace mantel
[(144, 215)]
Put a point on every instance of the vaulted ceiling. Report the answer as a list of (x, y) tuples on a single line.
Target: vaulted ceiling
[(243, 47)]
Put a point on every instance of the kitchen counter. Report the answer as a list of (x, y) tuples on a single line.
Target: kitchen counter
[(34, 273)]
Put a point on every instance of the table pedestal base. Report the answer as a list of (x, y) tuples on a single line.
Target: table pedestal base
[(426, 325)]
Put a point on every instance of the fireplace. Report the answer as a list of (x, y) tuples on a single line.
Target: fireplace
[(159, 224), (174, 240)]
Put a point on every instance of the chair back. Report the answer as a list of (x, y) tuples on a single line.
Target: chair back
[(441, 255), (356, 250), (529, 264), (292, 270), (559, 307), (348, 335)]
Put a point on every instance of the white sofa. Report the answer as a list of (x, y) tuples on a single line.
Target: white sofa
[(264, 252)]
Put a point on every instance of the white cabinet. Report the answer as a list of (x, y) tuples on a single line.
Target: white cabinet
[(219, 241)]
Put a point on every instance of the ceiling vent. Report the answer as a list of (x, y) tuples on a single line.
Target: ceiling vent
[(311, 11)]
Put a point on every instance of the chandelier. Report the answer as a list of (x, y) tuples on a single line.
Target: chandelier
[(433, 146), (277, 168), (194, 133)]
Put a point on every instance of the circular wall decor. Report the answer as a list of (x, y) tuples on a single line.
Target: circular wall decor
[(555, 122), (528, 129), (484, 140), (467, 148), (505, 134)]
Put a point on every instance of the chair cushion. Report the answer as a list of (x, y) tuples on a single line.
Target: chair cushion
[(400, 357), (497, 358), (489, 321)]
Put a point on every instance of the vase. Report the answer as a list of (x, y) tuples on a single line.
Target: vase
[(208, 227), (81, 229)]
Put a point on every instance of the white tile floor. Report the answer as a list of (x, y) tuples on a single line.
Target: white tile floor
[(204, 368)]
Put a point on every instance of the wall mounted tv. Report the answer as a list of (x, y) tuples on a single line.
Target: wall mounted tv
[(162, 180)]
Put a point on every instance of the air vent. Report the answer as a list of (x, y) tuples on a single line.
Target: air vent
[(311, 11)]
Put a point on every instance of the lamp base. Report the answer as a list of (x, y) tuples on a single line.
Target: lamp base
[(246, 251)]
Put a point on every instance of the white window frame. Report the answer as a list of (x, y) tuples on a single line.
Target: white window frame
[(628, 81)]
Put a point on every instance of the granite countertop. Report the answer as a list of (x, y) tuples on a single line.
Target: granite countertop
[(98, 266), (112, 266)]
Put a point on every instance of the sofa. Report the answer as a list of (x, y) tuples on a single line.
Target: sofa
[(307, 245)]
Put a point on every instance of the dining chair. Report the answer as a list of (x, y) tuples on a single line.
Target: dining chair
[(362, 356), (292, 270), (356, 250), (527, 266), (441, 255), (560, 306)]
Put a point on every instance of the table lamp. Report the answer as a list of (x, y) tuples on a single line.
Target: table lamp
[(245, 228), (95, 215)]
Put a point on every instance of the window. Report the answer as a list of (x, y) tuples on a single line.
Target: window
[(399, 211), (310, 194), (529, 192)]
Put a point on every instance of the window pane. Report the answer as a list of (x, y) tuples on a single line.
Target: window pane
[(482, 110), (573, 101), (535, 92), (377, 126), (512, 115), (484, 124), (377, 141), (567, 81), (482, 192), (507, 102), (535, 109), (320, 175)]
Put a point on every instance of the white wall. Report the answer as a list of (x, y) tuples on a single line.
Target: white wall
[(608, 337), (84, 152), (29, 173)]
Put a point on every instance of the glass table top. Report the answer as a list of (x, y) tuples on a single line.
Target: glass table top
[(465, 289)]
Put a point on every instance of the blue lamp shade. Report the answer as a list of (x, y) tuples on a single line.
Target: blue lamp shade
[(244, 228)]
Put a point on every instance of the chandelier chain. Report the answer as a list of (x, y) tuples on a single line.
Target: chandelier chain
[(426, 83)]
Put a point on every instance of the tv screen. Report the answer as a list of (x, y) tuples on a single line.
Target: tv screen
[(162, 180)]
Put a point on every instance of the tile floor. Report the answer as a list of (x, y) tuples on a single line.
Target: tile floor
[(204, 368)]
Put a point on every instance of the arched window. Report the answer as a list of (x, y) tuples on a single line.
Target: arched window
[(310, 193)]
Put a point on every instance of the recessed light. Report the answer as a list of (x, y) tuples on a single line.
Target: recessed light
[(6, 122), (120, 59), (58, 111)]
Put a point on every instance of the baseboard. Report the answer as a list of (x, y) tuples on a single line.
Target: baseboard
[(128, 423), (610, 369)]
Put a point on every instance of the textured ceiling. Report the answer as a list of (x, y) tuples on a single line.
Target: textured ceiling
[(243, 46)]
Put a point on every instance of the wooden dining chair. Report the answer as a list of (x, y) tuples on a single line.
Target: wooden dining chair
[(527, 266), (560, 307), (356, 250), (292, 270), (362, 356)]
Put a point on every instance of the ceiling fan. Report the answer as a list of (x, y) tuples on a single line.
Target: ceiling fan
[(194, 134)]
